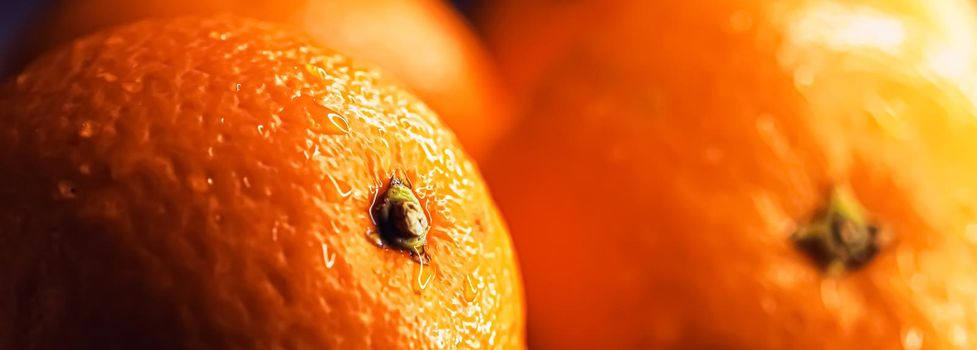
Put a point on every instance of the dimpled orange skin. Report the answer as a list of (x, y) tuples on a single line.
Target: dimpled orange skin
[(180, 184), (423, 43), (674, 146)]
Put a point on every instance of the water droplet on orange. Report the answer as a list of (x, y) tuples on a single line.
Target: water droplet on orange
[(339, 122), (423, 274), (321, 73), (473, 286), (86, 129), (319, 118), (328, 259), (66, 189), (342, 188), (85, 168), (108, 77), (373, 236), (218, 35)]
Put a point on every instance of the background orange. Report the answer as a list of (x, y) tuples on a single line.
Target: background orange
[(669, 150)]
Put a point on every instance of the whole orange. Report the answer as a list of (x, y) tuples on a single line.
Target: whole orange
[(214, 183), (743, 174), (423, 43)]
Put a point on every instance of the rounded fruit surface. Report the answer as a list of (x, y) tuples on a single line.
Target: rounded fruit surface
[(423, 43), (680, 148), (207, 183)]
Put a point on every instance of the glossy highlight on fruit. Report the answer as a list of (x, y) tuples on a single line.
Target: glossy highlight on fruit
[(206, 183), (677, 147)]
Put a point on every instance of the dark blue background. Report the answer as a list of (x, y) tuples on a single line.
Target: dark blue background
[(14, 15)]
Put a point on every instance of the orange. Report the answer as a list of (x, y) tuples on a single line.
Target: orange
[(423, 43), (208, 183), (744, 174)]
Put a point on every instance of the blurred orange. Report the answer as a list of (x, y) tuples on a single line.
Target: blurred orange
[(207, 183), (676, 156), (421, 42)]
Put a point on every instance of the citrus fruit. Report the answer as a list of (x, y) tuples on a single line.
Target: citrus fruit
[(423, 43), (217, 182), (738, 174)]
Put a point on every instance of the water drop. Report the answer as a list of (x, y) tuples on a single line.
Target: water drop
[(316, 70), (85, 168), (66, 189), (237, 87), (246, 181), (343, 189), (328, 259), (86, 130), (339, 122), (315, 150), (274, 231), (108, 77), (373, 236), (473, 286), (218, 35), (422, 277), (319, 118)]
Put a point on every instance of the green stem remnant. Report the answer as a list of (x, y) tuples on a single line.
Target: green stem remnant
[(401, 220), (839, 238)]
